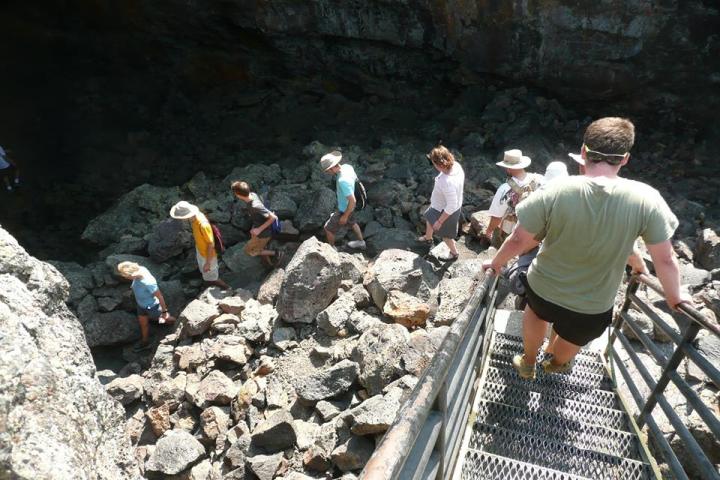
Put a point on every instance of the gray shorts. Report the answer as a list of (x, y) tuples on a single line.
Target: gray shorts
[(333, 223), (449, 228)]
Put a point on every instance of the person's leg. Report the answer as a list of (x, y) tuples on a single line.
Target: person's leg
[(330, 237), (563, 351), (212, 276), (450, 242), (551, 343), (144, 322), (534, 329), (358, 232), (428, 236)]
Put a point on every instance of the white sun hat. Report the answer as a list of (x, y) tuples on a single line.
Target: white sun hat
[(183, 210), (514, 159)]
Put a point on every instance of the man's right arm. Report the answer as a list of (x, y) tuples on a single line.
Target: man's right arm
[(668, 272)]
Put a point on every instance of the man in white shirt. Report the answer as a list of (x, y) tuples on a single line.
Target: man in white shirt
[(509, 194)]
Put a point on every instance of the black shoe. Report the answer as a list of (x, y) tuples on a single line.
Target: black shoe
[(141, 347)]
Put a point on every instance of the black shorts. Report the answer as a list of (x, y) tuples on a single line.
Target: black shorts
[(577, 328), (153, 312)]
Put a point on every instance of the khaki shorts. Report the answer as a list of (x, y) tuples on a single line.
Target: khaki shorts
[(212, 274), (333, 223), (256, 245)]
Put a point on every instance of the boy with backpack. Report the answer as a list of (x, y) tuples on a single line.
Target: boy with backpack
[(204, 241), (510, 194), (263, 223)]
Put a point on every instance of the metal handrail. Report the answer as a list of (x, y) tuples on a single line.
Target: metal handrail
[(684, 349), (420, 443)]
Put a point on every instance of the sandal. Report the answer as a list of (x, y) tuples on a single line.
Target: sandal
[(424, 239)]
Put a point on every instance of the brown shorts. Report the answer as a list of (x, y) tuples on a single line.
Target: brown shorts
[(256, 245), (333, 223)]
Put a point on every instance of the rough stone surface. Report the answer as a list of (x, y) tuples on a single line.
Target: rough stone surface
[(270, 288), (197, 317), (454, 294), (214, 421), (126, 390), (276, 433), (237, 260), (396, 270), (232, 305), (168, 239), (215, 389), (337, 314), (265, 466), (326, 383), (406, 310), (708, 250), (174, 452), (111, 328), (58, 421), (256, 321), (378, 353), (311, 281), (374, 415), (314, 211), (353, 454)]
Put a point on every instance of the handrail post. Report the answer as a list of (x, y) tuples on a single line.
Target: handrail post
[(664, 380), (632, 289)]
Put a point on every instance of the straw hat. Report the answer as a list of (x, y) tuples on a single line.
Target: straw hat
[(514, 159), (330, 160), (183, 210)]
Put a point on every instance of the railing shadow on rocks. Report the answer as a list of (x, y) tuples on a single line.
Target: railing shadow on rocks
[(425, 438), (683, 348)]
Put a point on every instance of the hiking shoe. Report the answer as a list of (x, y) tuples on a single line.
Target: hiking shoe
[(523, 369), (359, 244), (549, 367)]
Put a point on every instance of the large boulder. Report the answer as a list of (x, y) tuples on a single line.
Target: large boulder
[(336, 315), (111, 328), (58, 421), (393, 238), (326, 383), (454, 294), (276, 433), (80, 279), (238, 261), (398, 270), (197, 317), (378, 353), (134, 214), (708, 250), (174, 452), (374, 415), (406, 310), (311, 281), (168, 239), (315, 209)]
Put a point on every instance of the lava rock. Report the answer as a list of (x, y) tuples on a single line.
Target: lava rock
[(337, 314), (111, 328), (126, 390), (454, 294), (256, 321), (326, 383), (708, 250), (276, 433), (353, 454), (373, 416), (168, 239), (215, 389), (197, 317), (311, 281), (405, 309), (315, 209), (265, 466), (174, 452), (378, 354), (270, 288), (397, 270)]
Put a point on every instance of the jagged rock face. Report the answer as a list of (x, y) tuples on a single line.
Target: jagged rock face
[(58, 422), (585, 49)]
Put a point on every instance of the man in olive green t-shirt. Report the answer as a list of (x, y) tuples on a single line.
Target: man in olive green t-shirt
[(588, 226)]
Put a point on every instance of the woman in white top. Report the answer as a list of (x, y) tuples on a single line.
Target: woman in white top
[(443, 216)]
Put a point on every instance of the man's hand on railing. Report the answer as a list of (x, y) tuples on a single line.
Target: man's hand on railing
[(490, 265)]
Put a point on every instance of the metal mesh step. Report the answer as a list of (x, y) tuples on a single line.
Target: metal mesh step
[(520, 397), (572, 432), (486, 466), (581, 362), (575, 376), (515, 342), (554, 385), (549, 453)]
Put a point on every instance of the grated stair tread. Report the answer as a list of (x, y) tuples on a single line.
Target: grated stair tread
[(578, 434), (520, 397), (549, 453), (555, 385), (511, 342), (575, 377), (486, 466), (581, 363)]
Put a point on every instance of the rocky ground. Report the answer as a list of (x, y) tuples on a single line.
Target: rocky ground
[(299, 370)]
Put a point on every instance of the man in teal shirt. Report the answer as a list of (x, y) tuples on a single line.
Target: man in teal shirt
[(345, 189), (588, 225)]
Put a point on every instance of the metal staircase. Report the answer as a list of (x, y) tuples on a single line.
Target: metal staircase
[(559, 426), (471, 416)]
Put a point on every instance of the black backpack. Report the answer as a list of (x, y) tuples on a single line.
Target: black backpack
[(360, 196)]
